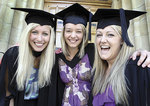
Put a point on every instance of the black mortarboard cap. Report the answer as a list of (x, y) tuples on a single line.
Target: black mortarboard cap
[(38, 16), (76, 14), (121, 17)]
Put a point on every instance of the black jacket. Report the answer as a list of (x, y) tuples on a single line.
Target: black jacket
[(138, 82), (48, 95)]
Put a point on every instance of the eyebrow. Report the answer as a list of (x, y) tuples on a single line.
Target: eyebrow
[(79, 29), (67, 28), (71, 28)]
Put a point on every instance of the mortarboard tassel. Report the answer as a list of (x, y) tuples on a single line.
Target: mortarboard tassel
[(89, 34), (124, 28)]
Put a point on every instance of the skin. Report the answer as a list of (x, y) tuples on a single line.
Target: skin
[(39, 38), (108, 44), (73, 36), (144, 59)]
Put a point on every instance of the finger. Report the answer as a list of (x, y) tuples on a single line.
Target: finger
[(142, 58), (135, 54), (146, 62), (148, 66)]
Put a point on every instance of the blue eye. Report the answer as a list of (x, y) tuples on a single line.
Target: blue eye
[(34, 32)]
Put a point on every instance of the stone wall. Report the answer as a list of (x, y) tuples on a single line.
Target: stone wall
[(12, 23)]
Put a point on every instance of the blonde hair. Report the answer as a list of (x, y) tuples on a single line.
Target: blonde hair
[(81, 46), (116, 77), (26, 59)]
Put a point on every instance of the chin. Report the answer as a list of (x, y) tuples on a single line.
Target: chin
[(38, 50), (104, 58)]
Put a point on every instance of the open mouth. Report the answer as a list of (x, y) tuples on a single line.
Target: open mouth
[(73, 41), (104, 49), (38, 44)]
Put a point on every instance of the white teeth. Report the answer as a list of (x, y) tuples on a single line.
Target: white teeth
[(38, 44), (105, 47), (72, 41)]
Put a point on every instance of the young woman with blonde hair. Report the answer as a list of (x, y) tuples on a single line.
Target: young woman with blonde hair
[(75, 61), (118, 80), (28, 75)]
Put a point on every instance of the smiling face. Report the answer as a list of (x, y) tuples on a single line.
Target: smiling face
[(108, 43), (73, 35), (39, 38)]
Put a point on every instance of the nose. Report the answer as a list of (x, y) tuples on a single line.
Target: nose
[(39, 38), (73, 34), (103, 39)]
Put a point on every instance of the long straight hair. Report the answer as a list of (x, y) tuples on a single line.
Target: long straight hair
[(81, 46), (116, 77), (26, 59)]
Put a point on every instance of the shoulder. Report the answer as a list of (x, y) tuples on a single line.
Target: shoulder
[(90, 50), (10, 54), (59, 55), (12, 50), (133, 62), (132, 65), (58, 50), (90, 46)]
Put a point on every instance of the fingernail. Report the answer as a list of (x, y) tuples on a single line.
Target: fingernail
[(133, 58), (139, 64), (143, 65)]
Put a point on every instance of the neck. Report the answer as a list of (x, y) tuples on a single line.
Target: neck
[(37, 62), (36, 54), (72, 53), (110, 63)]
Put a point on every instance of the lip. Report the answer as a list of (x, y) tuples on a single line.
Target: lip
[(104, 47), (72, 41), (38, 44)]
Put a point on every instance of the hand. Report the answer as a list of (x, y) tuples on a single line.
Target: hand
[(144, 58), (11, 102)]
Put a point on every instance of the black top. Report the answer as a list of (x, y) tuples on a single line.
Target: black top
[(89, 49), (138, 82), (48, 95)]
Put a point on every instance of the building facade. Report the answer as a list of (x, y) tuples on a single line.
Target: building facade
[(12, 22)]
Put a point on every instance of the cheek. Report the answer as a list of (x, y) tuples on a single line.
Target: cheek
[(117, 47), (31, 41), (98, 45), (65, 36), (47, 38), (32, 37), (97, 41), (80, 36)]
